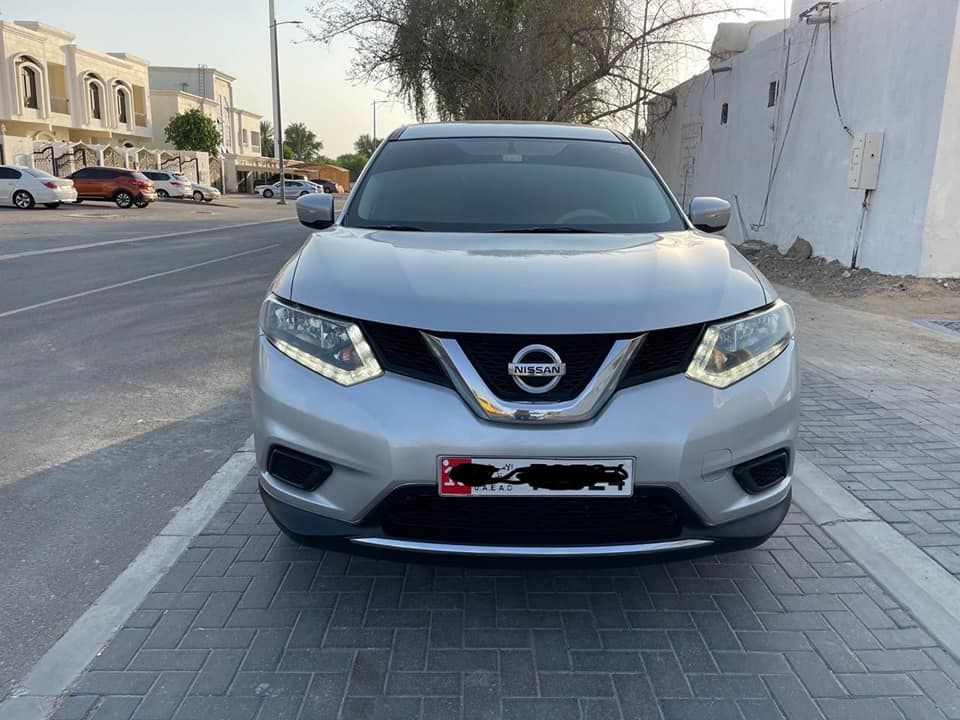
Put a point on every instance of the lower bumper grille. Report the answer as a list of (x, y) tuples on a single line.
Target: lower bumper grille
[(420, 514)]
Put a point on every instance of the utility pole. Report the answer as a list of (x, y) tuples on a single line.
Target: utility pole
[(277, 126)]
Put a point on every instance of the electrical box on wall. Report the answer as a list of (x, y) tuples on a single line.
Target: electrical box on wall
[(865, 161)]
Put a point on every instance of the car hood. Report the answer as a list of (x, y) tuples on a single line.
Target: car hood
[(522, 283)]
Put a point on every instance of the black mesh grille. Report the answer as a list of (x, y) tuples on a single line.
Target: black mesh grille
[(490, 355), (664, 352), (403, 350), (420, 514)]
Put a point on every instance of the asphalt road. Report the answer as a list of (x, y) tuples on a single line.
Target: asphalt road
[(123, 386)]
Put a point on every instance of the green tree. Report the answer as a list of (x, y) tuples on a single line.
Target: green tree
[(302, 141), (192, 130), (266, 139), (365, 144), (354, 162), (288, 153)]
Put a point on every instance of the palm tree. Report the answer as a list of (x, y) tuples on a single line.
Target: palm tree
[(302, 141), (266, 138)]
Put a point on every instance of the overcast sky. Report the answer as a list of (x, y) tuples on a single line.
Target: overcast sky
[(232, 35)]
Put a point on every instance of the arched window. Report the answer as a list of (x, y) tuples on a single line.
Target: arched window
[(28, 77), (96, 110), (122, 106)]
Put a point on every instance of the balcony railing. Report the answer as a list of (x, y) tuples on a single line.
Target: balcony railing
[(140, 119), (60, 105)]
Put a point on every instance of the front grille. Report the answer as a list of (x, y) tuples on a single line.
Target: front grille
[(664, 352), (420, 514), (490, 355), (402, 350)]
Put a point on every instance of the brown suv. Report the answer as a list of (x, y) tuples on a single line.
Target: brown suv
[(125, 187)]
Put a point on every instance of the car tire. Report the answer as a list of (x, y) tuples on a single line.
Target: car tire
[(163, 194), (303, 193), (197, 196), (141, 203), (23, 200), (268, 193), (123, 199), (208, 200), (52, 205)]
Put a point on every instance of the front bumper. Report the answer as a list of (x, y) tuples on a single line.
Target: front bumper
[(387, 434)]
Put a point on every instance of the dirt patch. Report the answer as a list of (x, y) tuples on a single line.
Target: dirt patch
[(899, 295)]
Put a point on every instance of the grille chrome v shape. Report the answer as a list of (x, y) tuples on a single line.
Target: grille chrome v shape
[(486, 404)]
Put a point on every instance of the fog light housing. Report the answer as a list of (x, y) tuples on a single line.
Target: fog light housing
[(297, 469), (763, 472)]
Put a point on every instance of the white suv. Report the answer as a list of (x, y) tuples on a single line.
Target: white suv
[(170, 184)]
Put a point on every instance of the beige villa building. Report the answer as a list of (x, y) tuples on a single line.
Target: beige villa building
[(53, 90)]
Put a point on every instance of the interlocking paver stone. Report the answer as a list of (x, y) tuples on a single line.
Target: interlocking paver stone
[(792, 630)]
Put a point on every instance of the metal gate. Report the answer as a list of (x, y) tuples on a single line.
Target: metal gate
[(43, 159), (70, 162), (183, 166)]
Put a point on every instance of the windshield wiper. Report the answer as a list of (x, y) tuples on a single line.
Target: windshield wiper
[(401, 228), (548, 229)]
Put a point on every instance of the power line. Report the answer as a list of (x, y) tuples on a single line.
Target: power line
[(833, 79), (786, 130)]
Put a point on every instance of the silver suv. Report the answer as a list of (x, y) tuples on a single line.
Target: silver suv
[(513, 343)]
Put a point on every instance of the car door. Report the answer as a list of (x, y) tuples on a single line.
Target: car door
[(8, 180), (84, 182)]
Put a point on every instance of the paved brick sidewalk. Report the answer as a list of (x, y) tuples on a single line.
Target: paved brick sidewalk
[(248, 625), (881, 416)]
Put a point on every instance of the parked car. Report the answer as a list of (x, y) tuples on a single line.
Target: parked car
[(292, 189), (329, 186), (170, 184), (474, 361), (24, 187), (124, 187), (205, 193)]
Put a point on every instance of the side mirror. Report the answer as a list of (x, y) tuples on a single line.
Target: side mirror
[(709, 214), (315, 210)]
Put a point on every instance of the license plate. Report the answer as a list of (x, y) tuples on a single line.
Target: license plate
[(535, 477)]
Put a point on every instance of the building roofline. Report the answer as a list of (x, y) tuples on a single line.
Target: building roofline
[(41, 28), (195, 68)]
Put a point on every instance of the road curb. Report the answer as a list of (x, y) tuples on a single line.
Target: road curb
[(36, 695), (918, 582)]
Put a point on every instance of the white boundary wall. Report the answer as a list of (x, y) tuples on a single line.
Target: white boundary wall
[(892, 59)]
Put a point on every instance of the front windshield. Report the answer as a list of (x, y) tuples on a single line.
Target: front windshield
[(512, 184)]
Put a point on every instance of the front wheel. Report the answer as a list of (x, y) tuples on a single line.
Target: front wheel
[(162, 194), (23, 200), (304, 193), (52, 206), (141, 203), (197, 196), (268, 193), (123, 199)]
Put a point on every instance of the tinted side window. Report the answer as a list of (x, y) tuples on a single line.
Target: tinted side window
[(104, 174), (82, 174), (153, 175), (9, 174)]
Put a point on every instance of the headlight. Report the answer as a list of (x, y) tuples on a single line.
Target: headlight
[(334, 348), (732, 350)]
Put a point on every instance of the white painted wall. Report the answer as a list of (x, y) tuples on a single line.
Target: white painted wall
[(940, 254), (891, 59)]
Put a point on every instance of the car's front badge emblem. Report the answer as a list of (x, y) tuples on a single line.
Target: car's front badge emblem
[(540, 362)]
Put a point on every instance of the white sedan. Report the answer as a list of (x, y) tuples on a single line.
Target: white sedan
[(291, 189), (24, 187)]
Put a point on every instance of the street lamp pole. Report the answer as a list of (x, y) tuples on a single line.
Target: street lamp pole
[(277, 126)]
